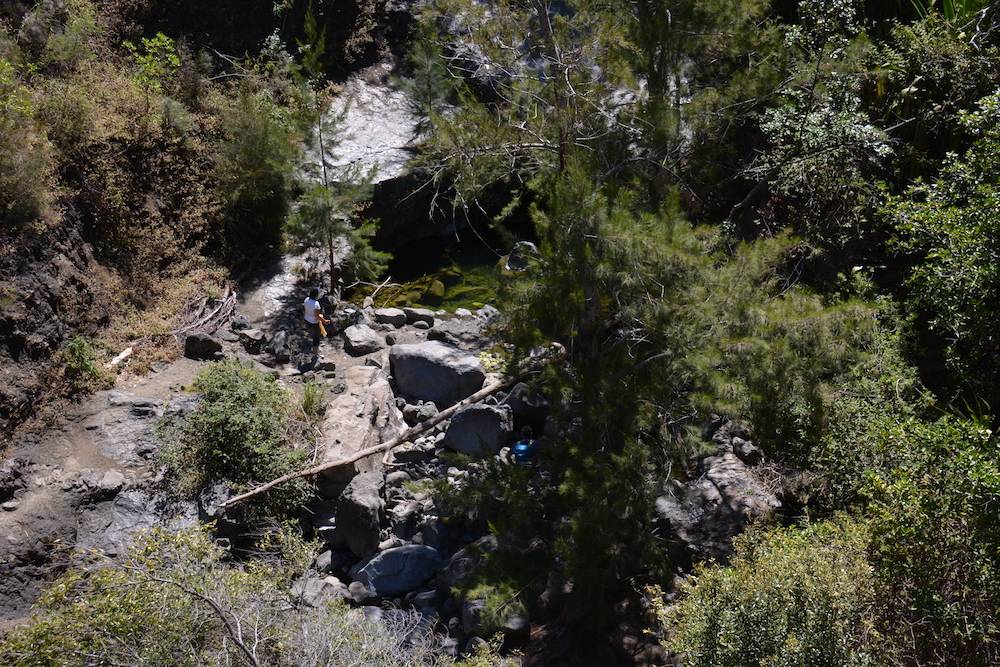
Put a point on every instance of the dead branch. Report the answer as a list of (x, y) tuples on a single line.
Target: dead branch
[(228, 302), (555, 353)]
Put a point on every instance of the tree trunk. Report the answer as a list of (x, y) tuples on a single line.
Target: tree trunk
[(334, 268)]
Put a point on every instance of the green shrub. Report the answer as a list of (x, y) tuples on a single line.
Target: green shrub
[(791, 597), (176, 600), (935, 541), (67, 110), (951, 227), (878, 394), (81, 367), (25, 165), (313, 399), (239, 435), (72, 42), (255, 164)]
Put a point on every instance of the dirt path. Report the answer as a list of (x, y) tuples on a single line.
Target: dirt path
[(83, 481)]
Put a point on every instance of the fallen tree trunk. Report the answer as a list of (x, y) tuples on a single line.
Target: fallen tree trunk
[(556, 353)]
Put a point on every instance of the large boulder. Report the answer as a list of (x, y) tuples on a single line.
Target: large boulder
[(201, 346), (360, 339), (480, 430), (414, 315), (400, 570), (362, 416), (703, 515), (315, 591), (252, 339), (393, 316), (279, 347), (436, 372), (454, 575), (359, 513)]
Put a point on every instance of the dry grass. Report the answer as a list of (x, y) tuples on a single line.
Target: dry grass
[(148, 331)]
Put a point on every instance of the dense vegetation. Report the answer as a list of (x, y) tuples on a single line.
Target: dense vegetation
[(783, 214), (792, 225), (175, 600), (246, 430)]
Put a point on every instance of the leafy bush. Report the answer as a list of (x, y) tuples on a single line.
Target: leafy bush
[(81, 367), (239, 435), (791, 597), (952, 229), (935, 541), (209, 611), (25, 163), (877, 395), (156, 62), (72, 42), (255, 163), (770, 352), (66, 108)]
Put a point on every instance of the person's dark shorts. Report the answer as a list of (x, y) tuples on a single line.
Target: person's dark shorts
[(313, 333)]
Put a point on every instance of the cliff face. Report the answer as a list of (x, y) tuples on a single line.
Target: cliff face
[(51, 288)]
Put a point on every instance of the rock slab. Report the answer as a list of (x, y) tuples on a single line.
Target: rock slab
[(480, 430), (436, 372), (400, 570), (363, 415)]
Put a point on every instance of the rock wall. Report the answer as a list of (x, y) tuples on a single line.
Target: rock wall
[(51, 288)]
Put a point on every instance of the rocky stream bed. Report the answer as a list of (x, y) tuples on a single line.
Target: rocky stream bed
[(91, 480)]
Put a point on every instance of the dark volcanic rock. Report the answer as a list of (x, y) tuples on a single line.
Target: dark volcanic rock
[(359, 513), (201, 346), (436, 372), (479, 430), (399, 570)]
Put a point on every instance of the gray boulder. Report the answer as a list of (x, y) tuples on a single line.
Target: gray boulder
[(201, 346), (434, 371), (463, 562), (414, 315), (316, 591), (400, 570), (359, 513), (480, 430), (393, 316), (705, 514), (747, 452), (360, 339), (416, 414), (252, 340), (279, 347)]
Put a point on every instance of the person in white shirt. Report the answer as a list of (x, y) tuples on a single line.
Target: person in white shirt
[(313, 314)]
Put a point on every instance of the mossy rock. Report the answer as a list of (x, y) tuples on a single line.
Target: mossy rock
[(437, 289)]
